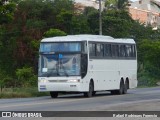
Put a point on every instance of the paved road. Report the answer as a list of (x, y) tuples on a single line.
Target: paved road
[(102, 101)]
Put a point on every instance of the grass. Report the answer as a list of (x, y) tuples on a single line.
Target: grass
[(21, 93), (144, 86)]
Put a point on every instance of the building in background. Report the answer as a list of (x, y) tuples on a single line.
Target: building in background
[(146, 11), (81, 4), (90, 3)]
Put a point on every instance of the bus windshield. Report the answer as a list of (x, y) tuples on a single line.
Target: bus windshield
[(60, 47), (51, 65)]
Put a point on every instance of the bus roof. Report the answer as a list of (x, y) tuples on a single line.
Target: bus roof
[(94, 38)]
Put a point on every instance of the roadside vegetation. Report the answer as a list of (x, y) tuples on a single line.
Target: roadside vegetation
[(21, 93), (23, 23)]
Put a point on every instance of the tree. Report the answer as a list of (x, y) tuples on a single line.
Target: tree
[(139, 31), (80, 24), (6, 11), (20, 38), (26, 77), (54, 33), (117, 4), (148, 58), (110, 4), (64, 20), (117, 23), (92, 15), (66, 5)]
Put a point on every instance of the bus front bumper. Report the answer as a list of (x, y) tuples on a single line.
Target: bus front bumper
[(61, 87)]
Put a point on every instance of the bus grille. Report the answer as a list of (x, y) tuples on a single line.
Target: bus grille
[(57, 80)]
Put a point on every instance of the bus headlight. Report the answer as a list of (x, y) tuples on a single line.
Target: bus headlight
[(74, 80), (43, 81)]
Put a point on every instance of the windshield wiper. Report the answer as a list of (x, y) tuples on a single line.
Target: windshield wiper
[(57, 69)]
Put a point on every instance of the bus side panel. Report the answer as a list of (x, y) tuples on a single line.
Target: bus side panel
[(128, 69), (107, 74), (104, 73)]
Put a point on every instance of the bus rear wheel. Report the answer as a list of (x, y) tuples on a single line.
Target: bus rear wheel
[(54, 94), (120, 91), (93, 93), (126, 86), (90, 92)]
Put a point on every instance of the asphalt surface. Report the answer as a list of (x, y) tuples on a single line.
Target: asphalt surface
[(76, 102)]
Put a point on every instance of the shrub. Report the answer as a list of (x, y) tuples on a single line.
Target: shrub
[(54, 32), (26, 77)]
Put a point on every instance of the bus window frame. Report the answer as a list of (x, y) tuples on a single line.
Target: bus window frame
[(111, 57)]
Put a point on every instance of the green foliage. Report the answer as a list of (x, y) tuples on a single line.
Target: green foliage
[(145, 79), (35, 44), (110, 3), (89, 10), (64, 19), (150, 51), (6, 12), (26, 77), (66, 5), (2, 82), (14, 95), (79, 25), (5, 80), (122, 4), (54, 32), (148, 55), (117, 23), (21, 92), (31, 23), (7, 46), (117, 4), (140, 31), (93, 22)]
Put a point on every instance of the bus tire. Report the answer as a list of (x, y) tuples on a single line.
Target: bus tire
[(121, 88), (54, 94), (126, 86), (93, 93), (90, 92)]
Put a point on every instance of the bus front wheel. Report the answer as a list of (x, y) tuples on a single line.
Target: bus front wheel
[(90, 92), (54, 94)]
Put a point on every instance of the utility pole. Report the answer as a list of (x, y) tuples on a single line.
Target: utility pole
[(100, 17)]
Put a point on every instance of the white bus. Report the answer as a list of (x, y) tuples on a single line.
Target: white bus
[(87, 64)]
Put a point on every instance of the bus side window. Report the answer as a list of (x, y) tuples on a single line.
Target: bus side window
[(99, 50), (107, 50), (115, 50), (92, 49), (122, 51), (133, 51), (128, 51)]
